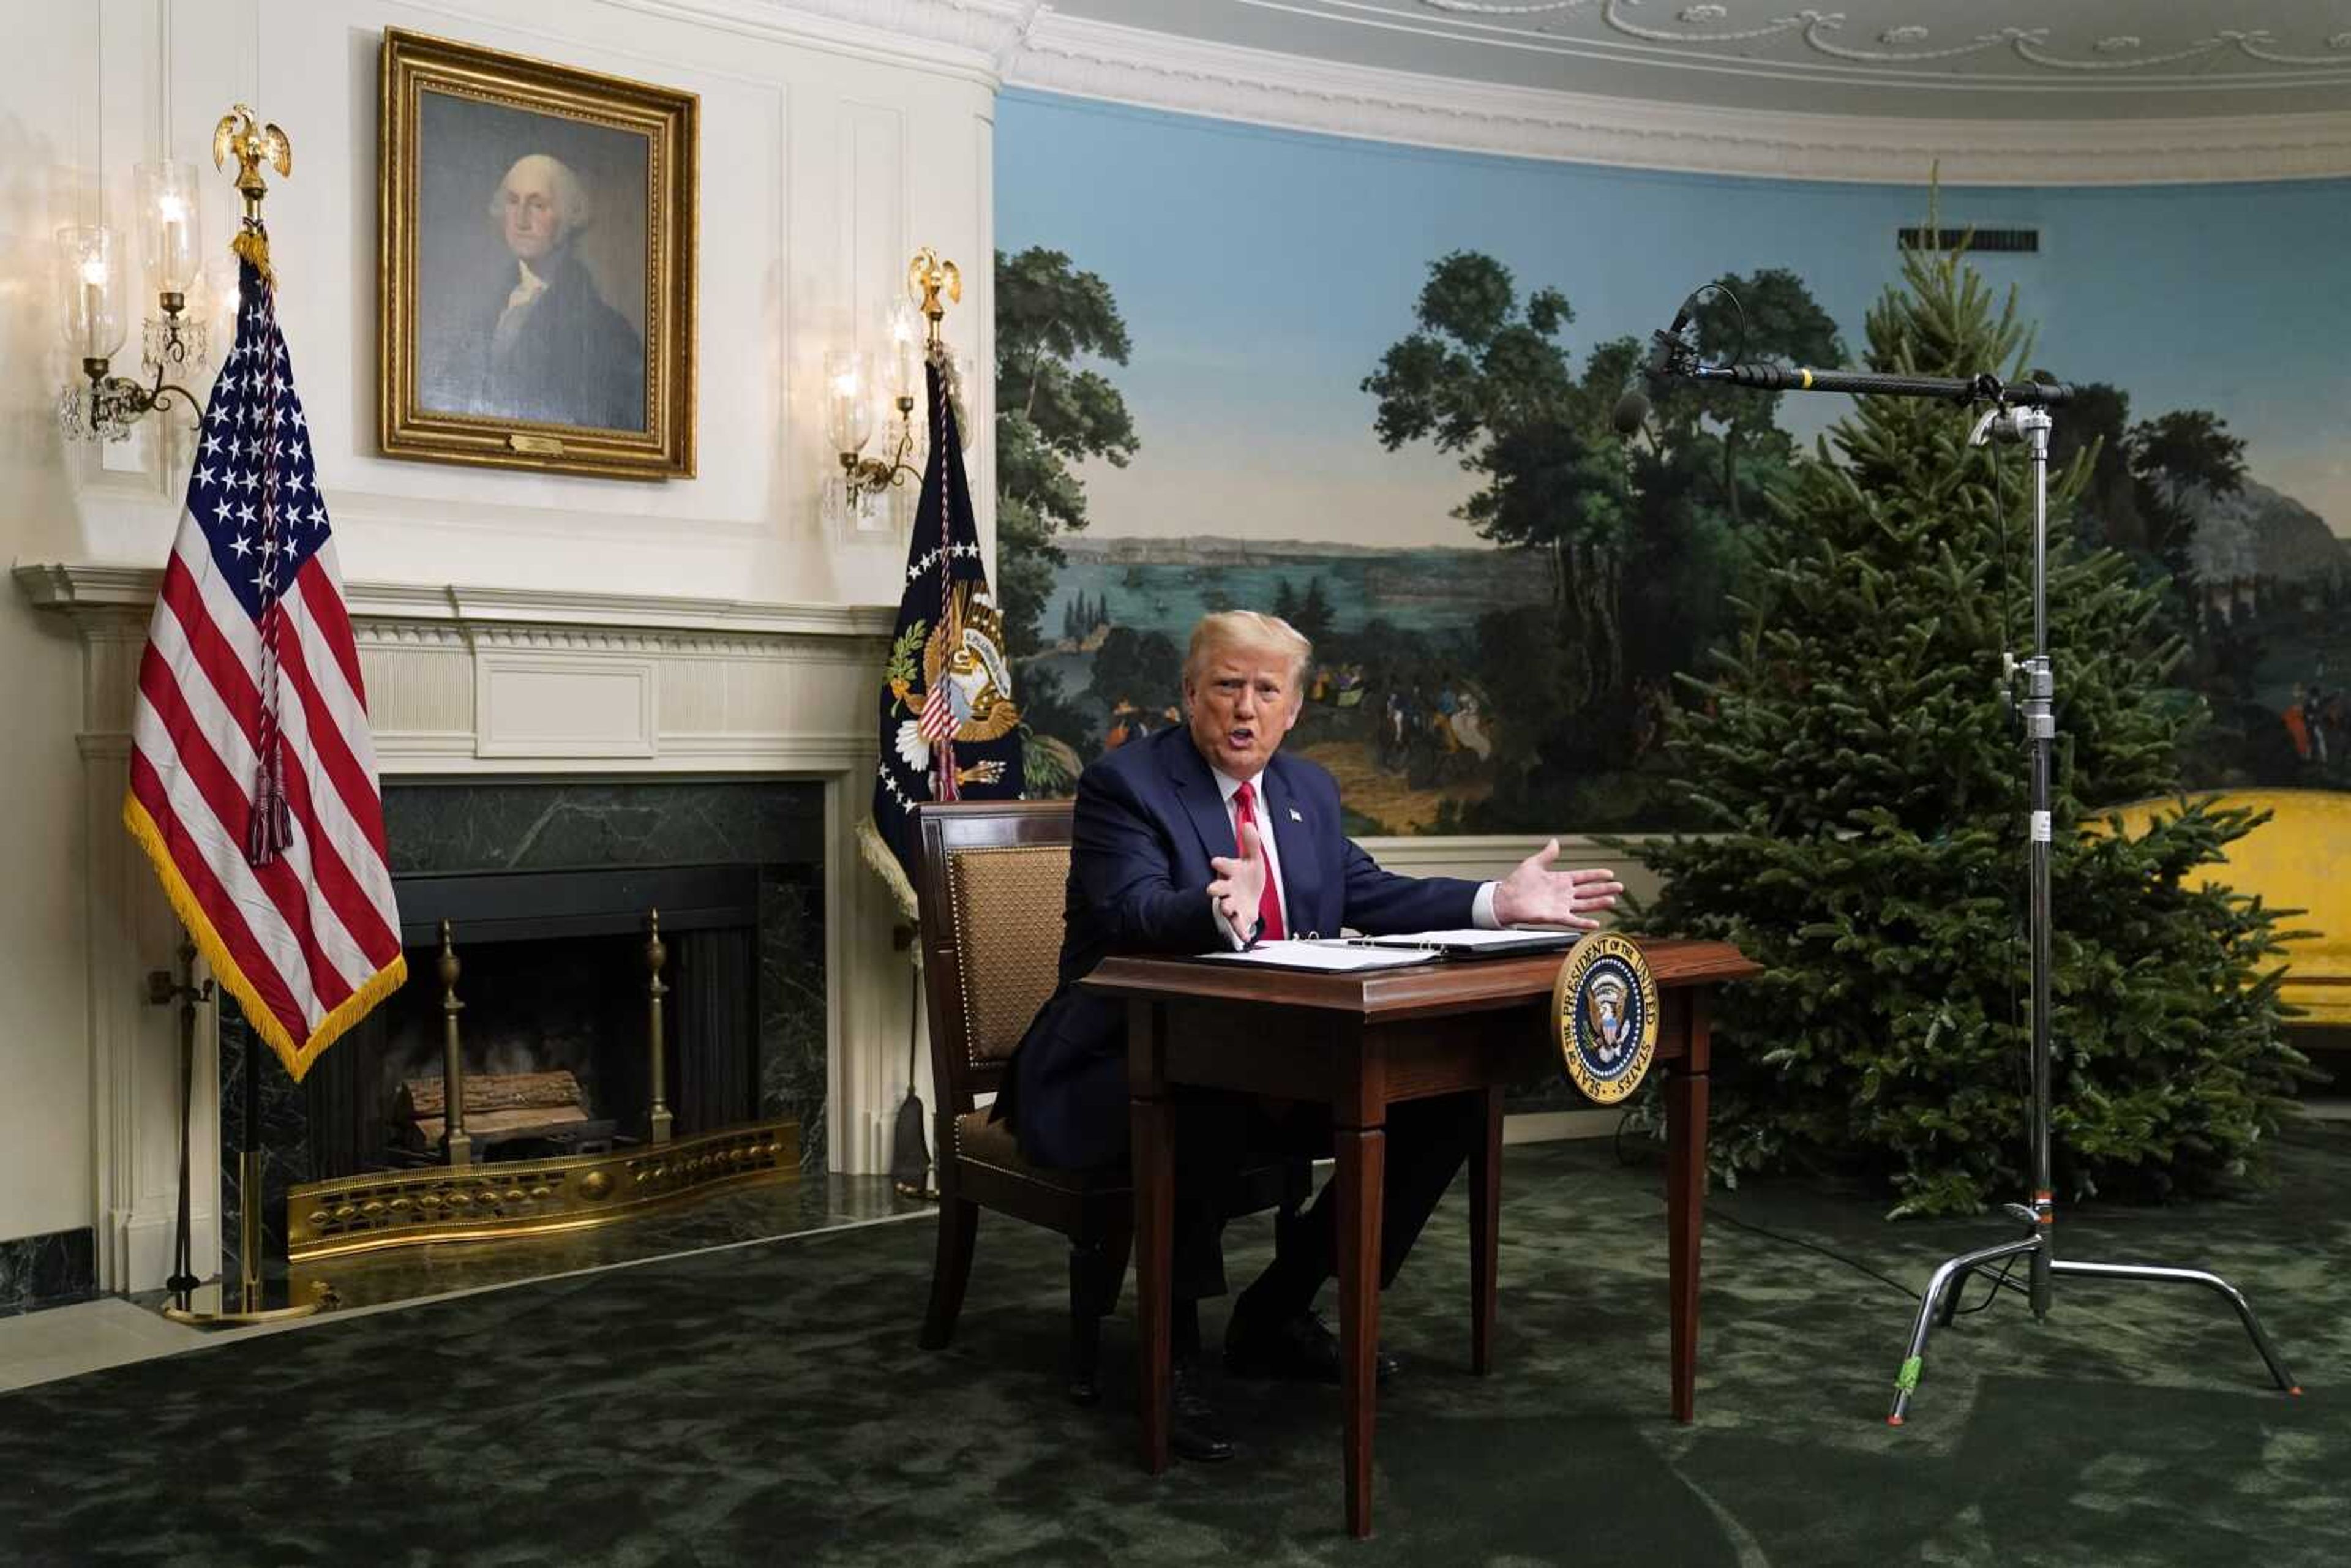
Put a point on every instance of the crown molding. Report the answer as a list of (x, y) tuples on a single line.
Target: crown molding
[(964, 39), (1027, 44), (1123, 65)]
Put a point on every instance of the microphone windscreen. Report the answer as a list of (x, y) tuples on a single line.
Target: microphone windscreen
[(1632, 412)]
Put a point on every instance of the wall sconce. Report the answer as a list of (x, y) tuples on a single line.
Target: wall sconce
[(886, 389), (90, 262)]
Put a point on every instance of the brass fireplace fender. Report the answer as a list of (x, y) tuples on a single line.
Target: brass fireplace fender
[(528, 1197), (461, 1200)]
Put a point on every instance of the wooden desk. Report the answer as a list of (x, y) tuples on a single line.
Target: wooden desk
[(1359, 1042)]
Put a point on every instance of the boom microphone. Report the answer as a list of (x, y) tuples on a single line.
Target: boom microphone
[(1632, 410)]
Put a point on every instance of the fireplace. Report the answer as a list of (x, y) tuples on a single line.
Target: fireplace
[(553, 980), (547, 891)]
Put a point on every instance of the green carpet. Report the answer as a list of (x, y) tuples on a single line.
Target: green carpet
[(769, 1404)]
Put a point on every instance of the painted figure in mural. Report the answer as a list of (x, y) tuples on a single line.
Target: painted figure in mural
[(2297, 722), (1469, 726), (1205, 835), (552, 349)]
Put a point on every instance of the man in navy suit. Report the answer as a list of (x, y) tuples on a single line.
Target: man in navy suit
[(1199, 837)]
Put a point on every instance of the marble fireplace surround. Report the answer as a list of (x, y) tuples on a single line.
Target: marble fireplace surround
[(474, 682)]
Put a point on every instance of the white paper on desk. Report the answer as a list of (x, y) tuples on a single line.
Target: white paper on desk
[(1325, 955), (1479, 940)]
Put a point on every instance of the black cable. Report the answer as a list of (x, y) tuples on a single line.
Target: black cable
[(1830, 1253), (1996, 1281), (1738, 354), (1617, 1141)]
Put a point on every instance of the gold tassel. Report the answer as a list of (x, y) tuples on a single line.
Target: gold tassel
[(253, 245)]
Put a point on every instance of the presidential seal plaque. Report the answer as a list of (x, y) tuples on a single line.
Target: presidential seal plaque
[(1604, 1011)]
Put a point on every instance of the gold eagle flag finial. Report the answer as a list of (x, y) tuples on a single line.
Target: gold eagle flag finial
[(927, 277), (252, 145)]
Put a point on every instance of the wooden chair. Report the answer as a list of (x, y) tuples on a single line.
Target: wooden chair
[(990, 889)]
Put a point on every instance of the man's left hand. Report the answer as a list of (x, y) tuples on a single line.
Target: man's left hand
[(1535, 894)]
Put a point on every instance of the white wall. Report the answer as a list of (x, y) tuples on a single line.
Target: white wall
[(829, 152), (45, 1177)]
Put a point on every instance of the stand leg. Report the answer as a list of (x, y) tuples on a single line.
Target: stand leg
[(2205, 1278), (1945, 1285)]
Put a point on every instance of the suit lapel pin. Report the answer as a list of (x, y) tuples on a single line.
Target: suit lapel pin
[(1294, 816)]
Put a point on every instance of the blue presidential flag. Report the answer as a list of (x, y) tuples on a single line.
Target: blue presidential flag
[(950, 730)]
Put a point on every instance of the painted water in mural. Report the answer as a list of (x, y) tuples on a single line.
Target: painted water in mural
[(1393, 708), (1197, 412)]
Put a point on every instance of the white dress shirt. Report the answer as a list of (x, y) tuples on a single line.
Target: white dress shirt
[(1481, 913)]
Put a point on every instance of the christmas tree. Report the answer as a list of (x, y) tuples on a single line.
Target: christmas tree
[(1861, 774)]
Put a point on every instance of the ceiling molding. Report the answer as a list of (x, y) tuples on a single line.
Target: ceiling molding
[(1156, 70), (1028, 44), (962, 39), (2210, 57)]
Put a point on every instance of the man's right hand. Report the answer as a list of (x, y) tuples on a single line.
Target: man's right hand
[(1238, 891)]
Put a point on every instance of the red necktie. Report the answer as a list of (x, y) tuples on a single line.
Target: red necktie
[(1268, 905)]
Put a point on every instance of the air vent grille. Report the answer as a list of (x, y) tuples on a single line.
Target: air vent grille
[(2025, 242)]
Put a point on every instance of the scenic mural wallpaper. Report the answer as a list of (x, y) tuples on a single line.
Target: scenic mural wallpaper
[(1368, 388)]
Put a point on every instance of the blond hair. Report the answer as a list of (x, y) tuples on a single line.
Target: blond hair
[(1246, 629)]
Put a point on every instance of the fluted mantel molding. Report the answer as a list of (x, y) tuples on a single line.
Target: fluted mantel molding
[(81, 586), (1025, 43)]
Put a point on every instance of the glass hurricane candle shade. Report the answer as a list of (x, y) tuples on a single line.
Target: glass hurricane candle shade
[(89, 279), (847, 406), (169, 238)]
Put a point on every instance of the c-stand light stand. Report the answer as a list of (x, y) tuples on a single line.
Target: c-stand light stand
[(2017, 410)]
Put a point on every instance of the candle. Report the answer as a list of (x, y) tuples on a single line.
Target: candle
[(93, 307), (848, 421), (176, 256)]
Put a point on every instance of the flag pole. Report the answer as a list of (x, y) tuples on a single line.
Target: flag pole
[(254, 1299), (163, 989)]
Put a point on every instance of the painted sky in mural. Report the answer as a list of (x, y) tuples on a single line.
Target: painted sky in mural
[(1263, 274)]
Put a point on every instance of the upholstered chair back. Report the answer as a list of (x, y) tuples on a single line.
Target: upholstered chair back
[(993, 880)]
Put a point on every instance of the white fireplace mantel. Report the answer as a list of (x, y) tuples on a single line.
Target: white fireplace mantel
[(479, 680)]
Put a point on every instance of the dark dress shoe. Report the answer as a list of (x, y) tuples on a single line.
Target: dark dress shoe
[(1196, 1429), (1300, 1346)]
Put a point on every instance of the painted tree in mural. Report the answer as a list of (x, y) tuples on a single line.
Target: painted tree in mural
[(1309, 612), (1863, 787), (2147, 483), (1051, 413), (1767, 315), (1641, 538)]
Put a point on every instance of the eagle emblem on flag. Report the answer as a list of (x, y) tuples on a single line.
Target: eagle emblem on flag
[(965, 695)]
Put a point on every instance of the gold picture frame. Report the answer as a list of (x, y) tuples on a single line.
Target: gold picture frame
[(536, 270)]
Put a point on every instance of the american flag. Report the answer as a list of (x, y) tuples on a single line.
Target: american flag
[(253, 778)]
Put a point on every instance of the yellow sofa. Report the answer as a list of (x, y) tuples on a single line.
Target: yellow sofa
[(2299, 859)]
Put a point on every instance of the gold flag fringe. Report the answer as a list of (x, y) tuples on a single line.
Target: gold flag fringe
[(297, 1055)]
